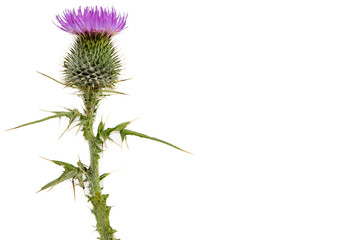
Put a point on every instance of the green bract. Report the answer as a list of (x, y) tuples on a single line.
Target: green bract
[(92, 63)]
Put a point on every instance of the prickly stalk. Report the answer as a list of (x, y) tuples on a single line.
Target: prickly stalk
[(98, 200)]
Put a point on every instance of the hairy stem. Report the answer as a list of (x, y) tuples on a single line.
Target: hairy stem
[(98, 200)]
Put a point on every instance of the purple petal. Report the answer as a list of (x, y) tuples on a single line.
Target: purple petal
[(92, 20)]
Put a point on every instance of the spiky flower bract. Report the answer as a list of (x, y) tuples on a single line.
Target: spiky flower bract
[(92, 63)]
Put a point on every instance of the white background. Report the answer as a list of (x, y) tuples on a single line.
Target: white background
[(264, 93)]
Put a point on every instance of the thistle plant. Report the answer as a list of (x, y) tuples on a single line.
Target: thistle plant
[(92, 68)]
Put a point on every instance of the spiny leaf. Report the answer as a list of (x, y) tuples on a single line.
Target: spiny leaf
[(66, 175), (66, 166), (41, 120), (50, 184), (126, 132), (71, 114), (70, 171), (105, 134)]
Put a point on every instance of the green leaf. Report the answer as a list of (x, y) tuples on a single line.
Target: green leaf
[(126, 132), (121, 128), (41, 120), (66, 175), (67, 166), (71, 114), (70, 171), (105, 134)]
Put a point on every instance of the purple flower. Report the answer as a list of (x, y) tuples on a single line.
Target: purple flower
[(92, 20)]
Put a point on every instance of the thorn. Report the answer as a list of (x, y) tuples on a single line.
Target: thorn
[(78, 130), (116, 92), (46, 111), (72, 180), (52, 187), (67, 128), (46, 158), (50, 77), (71, 84), (106, 119), (126, 79), (11, 128), (187, 152), (134, 119), (72, 128), (126, 143), (114, 171), (115, 142)]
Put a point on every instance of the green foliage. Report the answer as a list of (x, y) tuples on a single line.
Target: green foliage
[(70, 172), (125, 132), (72, 115), (104, 134)]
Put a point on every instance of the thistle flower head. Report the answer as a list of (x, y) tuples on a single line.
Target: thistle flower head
[(92, 20), (92, 63)]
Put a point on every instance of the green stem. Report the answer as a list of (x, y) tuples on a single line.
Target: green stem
[(98, 200)]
